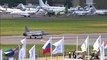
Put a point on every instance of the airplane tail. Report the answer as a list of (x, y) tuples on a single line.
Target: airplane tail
[(21, 6), (41, 3), (26, 29), (1, 8)]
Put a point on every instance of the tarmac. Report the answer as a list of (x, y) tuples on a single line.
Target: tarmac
[(69, 39)]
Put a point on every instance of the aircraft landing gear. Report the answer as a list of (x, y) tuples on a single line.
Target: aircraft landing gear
[(35, 37), (30, 37)]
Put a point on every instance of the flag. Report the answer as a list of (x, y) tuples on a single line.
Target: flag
[(11, 58), (21, 55), (32, 53), (47, 46), (105, 46), (16, 52), (59, 46), (9, 53), (97, 44), (85, 45), (12, 52), (0, 54), (102, 55), (23, 41)]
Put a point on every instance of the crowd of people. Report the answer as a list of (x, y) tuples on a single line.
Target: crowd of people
[(73, 54)]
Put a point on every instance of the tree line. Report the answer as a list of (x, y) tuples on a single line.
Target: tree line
[(12, 3)]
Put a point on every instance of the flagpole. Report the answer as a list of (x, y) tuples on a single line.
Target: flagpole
[(19, 52), (100, 40), (51, 47), (88, 48), (100, 46), (77, 43), (25, 49), (63, 46)]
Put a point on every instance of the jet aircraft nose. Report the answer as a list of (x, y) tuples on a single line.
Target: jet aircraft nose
[(24, 34)]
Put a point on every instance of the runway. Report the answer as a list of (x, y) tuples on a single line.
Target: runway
[(69, 39)]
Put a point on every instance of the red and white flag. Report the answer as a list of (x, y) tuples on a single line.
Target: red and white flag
[(47, 46)]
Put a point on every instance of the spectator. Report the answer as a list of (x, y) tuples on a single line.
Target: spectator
[(69, 54), (64, 53), (74, 54), (92, 56)]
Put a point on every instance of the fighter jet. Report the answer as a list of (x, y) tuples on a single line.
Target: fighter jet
[(34, 34)]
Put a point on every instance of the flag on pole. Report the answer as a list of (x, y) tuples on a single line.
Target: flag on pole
[(97, 44), (85, 45), (9, 53), (12, 52), (105, 46), (23, 41), (0, 54), (21, 54), (32, 53), (102, 55), (47, 46), (59, 46), (16, 52)]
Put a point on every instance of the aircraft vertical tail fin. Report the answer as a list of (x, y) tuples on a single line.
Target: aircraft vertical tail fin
[(21, 6), (1, 8), (41, 3), (26, 29), (46, 2)]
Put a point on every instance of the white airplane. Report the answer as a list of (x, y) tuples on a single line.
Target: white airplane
[(8, 10), (51, 9), (27, 12), (100, 12), (24, 7), (89, 10), (96, 11), (82, 12)]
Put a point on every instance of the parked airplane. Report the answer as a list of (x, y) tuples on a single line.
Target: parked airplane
[(8, 10), (97, 11), (35, 34), (100, 12), (51, 9), (86, 11), (27, 12)]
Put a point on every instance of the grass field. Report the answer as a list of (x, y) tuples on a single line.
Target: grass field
[(70, 25)]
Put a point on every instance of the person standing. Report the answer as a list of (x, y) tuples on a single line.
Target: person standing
[(69, 54), (74, 54)]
